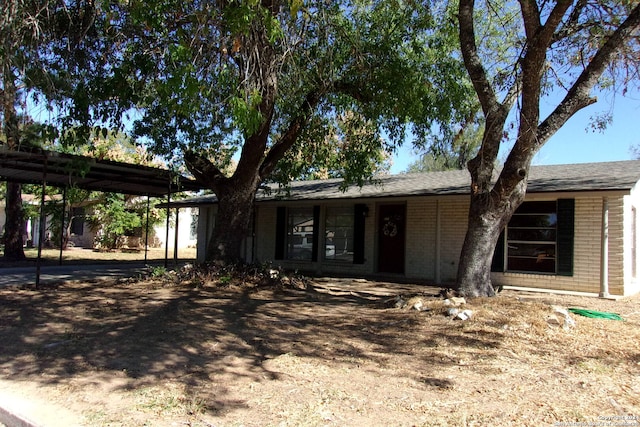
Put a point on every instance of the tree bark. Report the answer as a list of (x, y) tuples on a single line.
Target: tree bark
[(488, 215), (14, 226), (474, 269), (235, 207)]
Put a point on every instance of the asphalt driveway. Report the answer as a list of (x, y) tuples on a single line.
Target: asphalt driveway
[(24, 276)]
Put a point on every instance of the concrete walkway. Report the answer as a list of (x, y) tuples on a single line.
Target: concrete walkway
[(26, 411)]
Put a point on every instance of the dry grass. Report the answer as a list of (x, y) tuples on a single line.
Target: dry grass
[(134, 354)]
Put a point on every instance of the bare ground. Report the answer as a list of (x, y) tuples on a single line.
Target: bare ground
[(337, 354)]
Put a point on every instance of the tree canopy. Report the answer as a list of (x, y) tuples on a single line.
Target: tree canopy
[(292, 89), (325, 65)]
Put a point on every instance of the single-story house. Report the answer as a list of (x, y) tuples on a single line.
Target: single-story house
[(576, 231)]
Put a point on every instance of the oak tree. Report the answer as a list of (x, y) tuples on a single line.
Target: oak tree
[(290, 87), (563, 48)]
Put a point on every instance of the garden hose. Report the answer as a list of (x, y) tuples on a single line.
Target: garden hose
[(595, 314)]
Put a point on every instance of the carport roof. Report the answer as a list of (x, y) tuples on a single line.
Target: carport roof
[(31, 165)]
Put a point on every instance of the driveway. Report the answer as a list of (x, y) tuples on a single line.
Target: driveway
[(55, 274)]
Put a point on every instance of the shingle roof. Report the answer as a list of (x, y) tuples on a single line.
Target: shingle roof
[(606, 176)]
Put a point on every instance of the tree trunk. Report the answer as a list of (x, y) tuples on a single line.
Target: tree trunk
[(235, 206), (489, 213), (492, 206), (474, 269), (14, 226)]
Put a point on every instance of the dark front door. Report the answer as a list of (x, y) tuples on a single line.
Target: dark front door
[(391, 237)]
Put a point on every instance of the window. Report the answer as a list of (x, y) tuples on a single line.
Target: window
[(77, 221), (532, 238), (193, 227), (297, 233), (339, 234), (300, 233)]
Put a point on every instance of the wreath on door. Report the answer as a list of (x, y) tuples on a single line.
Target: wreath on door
[(390, 229)]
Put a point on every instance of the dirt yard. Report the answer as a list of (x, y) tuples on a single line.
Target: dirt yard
[(339, 353)]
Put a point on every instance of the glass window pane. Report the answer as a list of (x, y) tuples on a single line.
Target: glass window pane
[(339, 234), (532, 234), (532, 250), (532, 237), (300, 234), (534, 220), (528, 264), (537, 207)]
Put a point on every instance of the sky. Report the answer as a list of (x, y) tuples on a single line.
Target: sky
[(575, 142)]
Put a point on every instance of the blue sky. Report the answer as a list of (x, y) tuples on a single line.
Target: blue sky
[(575, 142)]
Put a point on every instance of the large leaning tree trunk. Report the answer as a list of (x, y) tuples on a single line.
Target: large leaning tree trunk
[(493, 202), (235, 203)]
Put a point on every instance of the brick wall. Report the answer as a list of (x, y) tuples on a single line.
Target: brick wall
[(421, 251), (421, 237), (454, 214)]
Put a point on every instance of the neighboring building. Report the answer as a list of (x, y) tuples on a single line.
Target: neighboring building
[(577, 230), (187, 230), (3, 217), (82, 235)]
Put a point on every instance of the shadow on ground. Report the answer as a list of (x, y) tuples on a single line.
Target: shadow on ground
[(205, 338)]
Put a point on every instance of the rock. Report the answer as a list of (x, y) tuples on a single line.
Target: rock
[(464, 315), (455, 301), (561, 317), (415, 303), (458, 301), (553, 320), (452, 311)]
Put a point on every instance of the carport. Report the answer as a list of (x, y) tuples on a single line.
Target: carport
[(33, 165)]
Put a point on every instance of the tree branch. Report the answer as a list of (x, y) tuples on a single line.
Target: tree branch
[(351, 90), (495, 113), (541, 38), (573, 23), (531, 18), (578, 96), (311, 101), (286, 141), (203, 169), (472, 63)]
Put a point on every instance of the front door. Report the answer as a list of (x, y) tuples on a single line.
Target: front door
[(391, 238)]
